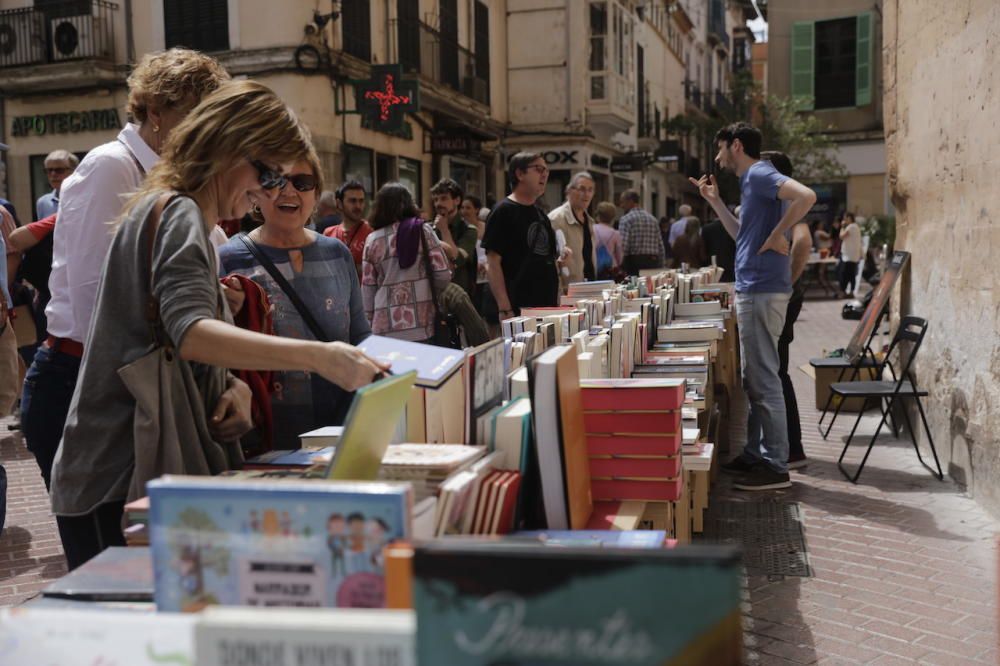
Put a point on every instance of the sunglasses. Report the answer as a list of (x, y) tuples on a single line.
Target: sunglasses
[(270, 179)]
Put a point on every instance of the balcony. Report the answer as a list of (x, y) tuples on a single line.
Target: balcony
[(722, 105), (717, 24), (59, 46), (57, 32), (420, 49), (695, 97)]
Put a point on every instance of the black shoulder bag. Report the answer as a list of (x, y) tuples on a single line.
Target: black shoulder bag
[(330, 402)]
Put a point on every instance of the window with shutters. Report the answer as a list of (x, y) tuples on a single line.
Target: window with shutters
[(408, 34), (356, 27), (832, 63), (448, 18), (202, 25), (481, 20)]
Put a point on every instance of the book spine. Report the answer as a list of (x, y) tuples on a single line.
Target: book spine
[(665, 423), (638, 399), (648, 491), (649, 468), (620, 445)]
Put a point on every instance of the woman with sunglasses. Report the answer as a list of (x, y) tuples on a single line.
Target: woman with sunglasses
[(319, 272), (231, 150)]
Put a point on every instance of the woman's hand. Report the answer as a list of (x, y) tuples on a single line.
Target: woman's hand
[(347, 366), (234, 293), (232, 416)]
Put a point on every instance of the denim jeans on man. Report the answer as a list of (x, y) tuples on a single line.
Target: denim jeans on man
[(48, 390), (763, 289), (761, 318)]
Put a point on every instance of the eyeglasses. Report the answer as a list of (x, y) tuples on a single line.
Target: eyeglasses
[(270, 179), (56, 170), (540, 168)]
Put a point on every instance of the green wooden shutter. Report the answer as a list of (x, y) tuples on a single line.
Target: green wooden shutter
[(863, 66), (803, 44)]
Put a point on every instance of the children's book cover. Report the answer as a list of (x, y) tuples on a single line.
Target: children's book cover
[(497, 603), (312, 543)]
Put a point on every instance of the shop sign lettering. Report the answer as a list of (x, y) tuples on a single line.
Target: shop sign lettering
[(66, 123)]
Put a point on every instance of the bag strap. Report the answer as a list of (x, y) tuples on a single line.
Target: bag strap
[(428, 268), (293, 296), (152, 313)]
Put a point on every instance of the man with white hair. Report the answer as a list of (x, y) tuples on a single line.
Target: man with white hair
[(58, 165), (577, 226), (678, 227)]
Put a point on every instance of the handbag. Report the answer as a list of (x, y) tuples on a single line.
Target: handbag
[(446, 329), (170, 424), (330, 402)]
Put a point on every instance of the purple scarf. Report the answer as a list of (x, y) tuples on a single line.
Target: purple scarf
[(408, 241)]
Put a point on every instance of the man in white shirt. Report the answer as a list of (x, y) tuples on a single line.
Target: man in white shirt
[(90, 198), (850, 254)]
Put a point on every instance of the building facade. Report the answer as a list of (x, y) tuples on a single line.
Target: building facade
[(938, 121), (63, 65), (826, 56)]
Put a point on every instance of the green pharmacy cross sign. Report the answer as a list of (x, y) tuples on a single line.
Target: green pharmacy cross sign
[(385, 98)]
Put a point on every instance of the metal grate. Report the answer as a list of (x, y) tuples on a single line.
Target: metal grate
[(770, 533)]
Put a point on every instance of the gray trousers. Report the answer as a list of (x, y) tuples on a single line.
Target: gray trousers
[(761, 318)]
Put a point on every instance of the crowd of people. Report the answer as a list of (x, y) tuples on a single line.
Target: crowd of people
[(168, 340)]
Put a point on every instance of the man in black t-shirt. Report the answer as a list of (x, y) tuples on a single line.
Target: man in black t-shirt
[(520, 243)]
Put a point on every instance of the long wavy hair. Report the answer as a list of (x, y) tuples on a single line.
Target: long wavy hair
[(240, 120)]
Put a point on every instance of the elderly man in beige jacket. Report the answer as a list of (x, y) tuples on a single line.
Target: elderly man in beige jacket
[(577, 227)]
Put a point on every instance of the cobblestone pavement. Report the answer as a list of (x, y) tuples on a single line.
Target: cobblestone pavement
[(903, 565)]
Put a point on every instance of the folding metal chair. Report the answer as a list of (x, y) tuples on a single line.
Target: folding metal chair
[(913, 330)]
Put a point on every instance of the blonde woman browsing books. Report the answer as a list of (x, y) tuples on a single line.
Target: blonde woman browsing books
[(234, 148)]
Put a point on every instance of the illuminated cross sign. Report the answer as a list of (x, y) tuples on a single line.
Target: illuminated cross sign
[(385, 99)]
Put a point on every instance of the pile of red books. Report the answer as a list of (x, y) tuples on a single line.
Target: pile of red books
[(634, 438)]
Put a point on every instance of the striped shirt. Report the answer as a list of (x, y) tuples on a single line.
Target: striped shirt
[(641, 234)]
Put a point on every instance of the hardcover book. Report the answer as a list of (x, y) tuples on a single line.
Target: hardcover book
[(306, 543), (519, 603), (115, 574)]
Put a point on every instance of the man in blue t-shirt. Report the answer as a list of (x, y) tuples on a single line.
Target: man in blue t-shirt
[(763, 289)]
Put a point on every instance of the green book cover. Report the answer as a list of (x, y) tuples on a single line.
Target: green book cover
[(368, 428), (500, 602)]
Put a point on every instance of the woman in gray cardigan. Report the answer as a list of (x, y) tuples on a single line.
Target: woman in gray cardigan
[(232, 149)]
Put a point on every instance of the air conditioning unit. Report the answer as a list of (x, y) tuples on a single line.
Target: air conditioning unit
[(75, 37), (22, 39)]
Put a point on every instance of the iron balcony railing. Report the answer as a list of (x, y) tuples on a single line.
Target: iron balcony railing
[(424, 50), (57, 32)]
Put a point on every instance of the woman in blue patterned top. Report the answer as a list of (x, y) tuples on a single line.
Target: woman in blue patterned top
[(321, 271)]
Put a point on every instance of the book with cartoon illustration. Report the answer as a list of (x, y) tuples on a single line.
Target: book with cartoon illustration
[(285, 542)]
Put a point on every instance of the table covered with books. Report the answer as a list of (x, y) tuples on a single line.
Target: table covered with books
[(469, 511)]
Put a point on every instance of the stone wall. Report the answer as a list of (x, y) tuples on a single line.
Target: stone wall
[(942, 91)]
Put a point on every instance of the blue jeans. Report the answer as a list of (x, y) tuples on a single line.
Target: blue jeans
[(761, 318), (48, 390)]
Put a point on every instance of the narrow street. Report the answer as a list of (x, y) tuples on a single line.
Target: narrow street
[(903, 565)]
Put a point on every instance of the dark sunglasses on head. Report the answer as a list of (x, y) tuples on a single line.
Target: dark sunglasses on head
[(270, 179)]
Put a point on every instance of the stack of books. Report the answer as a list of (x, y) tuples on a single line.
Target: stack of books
[(634, 438), (137, 522)]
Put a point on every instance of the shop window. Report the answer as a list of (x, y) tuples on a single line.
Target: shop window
[(384, 169), (359, 166), (202, 25), (409, 176)]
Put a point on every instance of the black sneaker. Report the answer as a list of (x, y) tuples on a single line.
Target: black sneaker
[(762, 477), (738, 466)]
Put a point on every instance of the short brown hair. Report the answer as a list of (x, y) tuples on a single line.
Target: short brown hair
[(177, 78), (520, 162)]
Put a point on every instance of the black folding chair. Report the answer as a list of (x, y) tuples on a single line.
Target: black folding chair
[(913, 330)]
